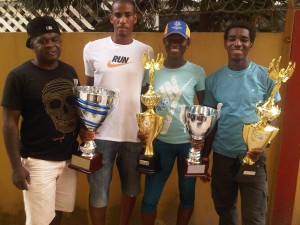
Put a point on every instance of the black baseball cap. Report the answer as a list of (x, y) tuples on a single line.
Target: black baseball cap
[(41, 25)]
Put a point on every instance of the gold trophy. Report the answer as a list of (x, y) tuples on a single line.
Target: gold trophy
[(260, 134), (150, 122)]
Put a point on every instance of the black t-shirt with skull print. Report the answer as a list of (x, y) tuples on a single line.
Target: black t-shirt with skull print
[(45, 98)]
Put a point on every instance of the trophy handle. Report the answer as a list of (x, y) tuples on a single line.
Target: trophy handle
[(116, 101), (219, 106), (75, 81), (117, 98)]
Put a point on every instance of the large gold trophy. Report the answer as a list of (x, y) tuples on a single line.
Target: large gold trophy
[(150, 122), (258, 135)]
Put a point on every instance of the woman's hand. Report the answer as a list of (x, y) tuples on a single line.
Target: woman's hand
[(143, 137)]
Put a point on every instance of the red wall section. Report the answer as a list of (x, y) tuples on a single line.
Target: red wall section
[(286, 181)]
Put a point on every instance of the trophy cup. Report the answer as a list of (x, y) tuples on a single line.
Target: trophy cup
[(199, 121), (259, 134), (150, 122), (93, 106)]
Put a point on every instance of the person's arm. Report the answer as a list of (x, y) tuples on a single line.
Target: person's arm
[(209, 101), (210, 138), (208, 143), (206, 152), (207, 149), (89, 81), (200, 97), (145, 88), (143, 136), (20, 175)]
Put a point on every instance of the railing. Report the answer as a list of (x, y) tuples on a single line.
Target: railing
[(92, 15)]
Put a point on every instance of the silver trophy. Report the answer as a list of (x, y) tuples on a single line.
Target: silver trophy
[(94, 104), (199, 121)]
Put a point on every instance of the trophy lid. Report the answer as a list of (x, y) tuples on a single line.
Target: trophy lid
[(96, 95), (202, 110), (92, 90)]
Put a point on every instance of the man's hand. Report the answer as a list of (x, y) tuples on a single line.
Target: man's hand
[(254, 154), (143, 137), (20, 178), (206, 177), (86, 135)]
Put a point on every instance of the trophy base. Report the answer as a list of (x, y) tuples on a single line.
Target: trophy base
[(193, 170), (148, 164), (246, 172), (85, 164)]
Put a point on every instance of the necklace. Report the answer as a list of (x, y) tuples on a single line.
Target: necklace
[(238, 74), (235, 76)]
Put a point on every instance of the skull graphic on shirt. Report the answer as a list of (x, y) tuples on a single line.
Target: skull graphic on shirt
[(58, 101)]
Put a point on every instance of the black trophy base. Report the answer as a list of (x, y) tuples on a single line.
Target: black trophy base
[(85, 164), (245, 172), (192, 170), (148, 164)]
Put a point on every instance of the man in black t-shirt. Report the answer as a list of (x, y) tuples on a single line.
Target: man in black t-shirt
[(40, 92)]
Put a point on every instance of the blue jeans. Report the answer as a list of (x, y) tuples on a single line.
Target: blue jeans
[(126, 155), (225, 186), (154, 184)]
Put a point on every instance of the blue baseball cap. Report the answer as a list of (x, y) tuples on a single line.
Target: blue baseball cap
[(177, 27)]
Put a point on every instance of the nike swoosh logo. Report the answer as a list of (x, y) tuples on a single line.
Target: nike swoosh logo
[(111, 65)]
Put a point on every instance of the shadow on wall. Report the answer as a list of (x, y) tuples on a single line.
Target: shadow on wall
[(78, 217)]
